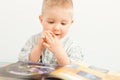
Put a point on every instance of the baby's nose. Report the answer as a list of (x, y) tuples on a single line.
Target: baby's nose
[(57, 27)]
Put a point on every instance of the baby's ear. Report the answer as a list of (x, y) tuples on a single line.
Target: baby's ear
[(40, 18)]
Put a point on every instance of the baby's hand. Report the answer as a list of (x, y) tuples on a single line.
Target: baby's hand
[(52, 42), (41, 41)]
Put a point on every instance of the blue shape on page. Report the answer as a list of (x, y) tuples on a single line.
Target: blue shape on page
[(88, 75)]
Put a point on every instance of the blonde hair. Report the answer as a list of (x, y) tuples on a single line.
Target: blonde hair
[(47, 4)]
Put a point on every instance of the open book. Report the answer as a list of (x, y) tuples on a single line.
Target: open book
[(37, 71)]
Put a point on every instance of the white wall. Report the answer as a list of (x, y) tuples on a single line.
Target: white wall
[(96, 26)]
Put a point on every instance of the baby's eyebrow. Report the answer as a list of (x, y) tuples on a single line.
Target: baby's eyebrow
[(65, 21), (50, 19)]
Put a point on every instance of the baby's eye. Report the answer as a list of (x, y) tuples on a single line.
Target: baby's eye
[(63, 23), (50, 22)]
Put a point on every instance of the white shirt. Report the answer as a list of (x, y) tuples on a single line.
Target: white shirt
[(71, 47)]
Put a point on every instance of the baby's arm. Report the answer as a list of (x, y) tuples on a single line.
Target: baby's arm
[(55, 46), (37, 50), (35, 54), (24, 54), (62, 57)]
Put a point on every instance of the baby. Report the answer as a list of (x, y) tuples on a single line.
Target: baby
[(53, 45)]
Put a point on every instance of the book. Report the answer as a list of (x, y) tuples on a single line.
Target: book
[(77, 71), (38, 71), (26, 71)]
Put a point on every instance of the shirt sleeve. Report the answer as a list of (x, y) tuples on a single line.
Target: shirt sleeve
[(76, 53), (27, 48)]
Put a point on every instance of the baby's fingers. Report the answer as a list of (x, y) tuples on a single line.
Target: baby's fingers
[(46, 45)]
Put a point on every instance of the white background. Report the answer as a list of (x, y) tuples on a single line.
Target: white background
[(96, 26)]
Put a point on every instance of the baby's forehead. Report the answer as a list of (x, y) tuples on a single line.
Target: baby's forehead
[(58, 19)]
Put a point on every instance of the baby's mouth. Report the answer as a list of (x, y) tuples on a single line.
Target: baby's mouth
[(57, 34)]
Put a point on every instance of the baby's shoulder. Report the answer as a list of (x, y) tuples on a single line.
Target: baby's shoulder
[(36, 35), (70, 39), (71, 42), (34, 38)]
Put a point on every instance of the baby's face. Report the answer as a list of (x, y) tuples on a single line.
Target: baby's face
[(57, 20)]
